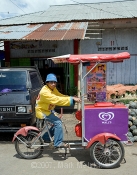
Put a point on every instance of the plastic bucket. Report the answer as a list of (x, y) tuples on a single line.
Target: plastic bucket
[(78, 130), (78, 115)]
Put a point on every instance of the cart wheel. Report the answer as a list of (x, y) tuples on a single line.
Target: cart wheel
[(23, 146), (108, 155)]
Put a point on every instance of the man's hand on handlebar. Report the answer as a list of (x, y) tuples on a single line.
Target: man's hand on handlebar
[(77, 99)]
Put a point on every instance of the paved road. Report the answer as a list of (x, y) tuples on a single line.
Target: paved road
[(52, 161)]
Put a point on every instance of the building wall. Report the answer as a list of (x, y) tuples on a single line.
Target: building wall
[(116, 41), (113, 41), (40, 49)]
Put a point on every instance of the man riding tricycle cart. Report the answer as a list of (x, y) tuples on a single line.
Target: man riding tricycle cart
[(102, 126)]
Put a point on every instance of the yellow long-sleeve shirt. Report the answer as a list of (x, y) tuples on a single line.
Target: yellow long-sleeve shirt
[(48, 99)]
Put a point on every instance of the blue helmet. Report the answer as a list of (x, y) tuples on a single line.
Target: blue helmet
[(51, 77)]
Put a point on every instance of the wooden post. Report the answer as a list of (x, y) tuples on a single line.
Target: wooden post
[(77, 70), (7, 53), (79, 86)]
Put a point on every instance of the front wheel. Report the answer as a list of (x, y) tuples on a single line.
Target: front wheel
[(108, 155), (28, 152)]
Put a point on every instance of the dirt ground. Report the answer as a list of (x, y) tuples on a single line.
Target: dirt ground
[(69, 122)]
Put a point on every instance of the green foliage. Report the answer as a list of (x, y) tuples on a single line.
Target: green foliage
[(72, 91), (128, 92), (126, 101), (112, 96)]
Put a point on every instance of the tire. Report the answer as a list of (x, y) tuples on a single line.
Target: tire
[(108, 155), (26, 152)]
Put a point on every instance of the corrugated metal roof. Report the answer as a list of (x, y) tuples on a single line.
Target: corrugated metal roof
[(16, 32), (54, 31), (78, 12)]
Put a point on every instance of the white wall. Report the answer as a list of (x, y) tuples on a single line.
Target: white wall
[(30, 49), (126, 41)]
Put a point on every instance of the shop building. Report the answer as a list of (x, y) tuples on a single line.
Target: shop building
[(109, 27)]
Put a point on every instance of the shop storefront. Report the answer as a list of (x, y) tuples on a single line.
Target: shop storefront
[(31, 53)]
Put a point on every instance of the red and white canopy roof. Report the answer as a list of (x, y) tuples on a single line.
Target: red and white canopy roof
[(75, 59)]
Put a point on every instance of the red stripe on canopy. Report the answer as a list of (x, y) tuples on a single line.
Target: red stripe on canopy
[(99, 57), (119, 57)]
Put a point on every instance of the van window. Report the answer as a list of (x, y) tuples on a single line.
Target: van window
[(13, 80), (35, 80)]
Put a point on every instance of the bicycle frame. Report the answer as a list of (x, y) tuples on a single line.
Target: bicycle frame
[(24, 131)]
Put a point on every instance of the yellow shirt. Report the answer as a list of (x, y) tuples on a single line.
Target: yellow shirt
[(48, 99)]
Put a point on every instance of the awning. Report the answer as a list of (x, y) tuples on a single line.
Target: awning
[(75, 59)]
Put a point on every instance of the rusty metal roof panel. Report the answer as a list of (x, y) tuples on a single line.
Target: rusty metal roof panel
[(53, 31), (78, 12), (16, 32), (48, 35), (74, 34), (59, 31), (54, 35), (38, 33)]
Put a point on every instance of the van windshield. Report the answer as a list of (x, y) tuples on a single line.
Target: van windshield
[(12, 81)]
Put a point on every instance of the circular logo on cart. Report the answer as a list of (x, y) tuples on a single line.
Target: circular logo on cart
[(106, 116)]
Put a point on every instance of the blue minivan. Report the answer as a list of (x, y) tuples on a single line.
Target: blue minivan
[(19, 87)]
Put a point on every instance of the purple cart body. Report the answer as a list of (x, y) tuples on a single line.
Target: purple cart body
[(112, 120)]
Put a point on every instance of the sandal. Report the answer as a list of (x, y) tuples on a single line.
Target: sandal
[(62, 145)]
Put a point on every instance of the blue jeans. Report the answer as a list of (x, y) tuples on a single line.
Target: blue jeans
[(56, 130)]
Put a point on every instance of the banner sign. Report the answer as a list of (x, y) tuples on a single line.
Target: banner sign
[(96, 83)]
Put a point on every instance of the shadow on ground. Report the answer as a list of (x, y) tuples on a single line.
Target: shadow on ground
[(6, 136)]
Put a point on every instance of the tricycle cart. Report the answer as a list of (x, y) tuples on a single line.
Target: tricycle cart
[(102, 126)]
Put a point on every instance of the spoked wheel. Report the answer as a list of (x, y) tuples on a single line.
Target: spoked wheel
[(25, 151), (108, 155)]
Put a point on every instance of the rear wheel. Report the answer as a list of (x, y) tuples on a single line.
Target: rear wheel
[(25, 151), (108, 155)]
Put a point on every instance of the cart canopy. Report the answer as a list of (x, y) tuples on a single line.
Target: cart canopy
[(76, 59)]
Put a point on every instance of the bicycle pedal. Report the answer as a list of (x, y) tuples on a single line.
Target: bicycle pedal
[(128, 143)]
